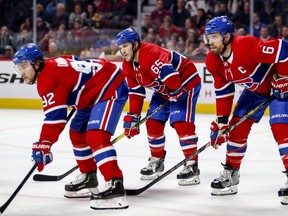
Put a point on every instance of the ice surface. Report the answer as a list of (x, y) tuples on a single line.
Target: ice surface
[(261, 175)]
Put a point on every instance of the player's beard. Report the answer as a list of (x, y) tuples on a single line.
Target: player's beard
[(129, 59), (217, 50), (33, 80)]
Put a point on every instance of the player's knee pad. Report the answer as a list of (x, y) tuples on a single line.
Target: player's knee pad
[(184, 128), (279, 131), (156, 137), (82, 151), (240, 133), (78, 139), (187, 137), (155, 127), (98, 139)]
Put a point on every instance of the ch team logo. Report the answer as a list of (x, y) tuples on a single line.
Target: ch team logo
[(130, 30), (30, 45), (224, 20)]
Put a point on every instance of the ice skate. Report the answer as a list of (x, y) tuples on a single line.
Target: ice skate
[(227, 183), (283, 192), (114, 197), (154, 168), (84, 185), (189, 175)]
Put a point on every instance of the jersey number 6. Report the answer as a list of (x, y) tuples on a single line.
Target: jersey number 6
[(268, 50)]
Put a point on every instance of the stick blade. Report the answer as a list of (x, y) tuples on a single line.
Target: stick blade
[(40, 177), (131, 192)]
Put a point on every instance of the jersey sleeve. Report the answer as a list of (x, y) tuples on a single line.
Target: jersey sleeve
[(136, 96), (283, 56), (54, 85), (282, 69), (168, 74), (54, 121), (271, 51), (137, 93), (224, 90)]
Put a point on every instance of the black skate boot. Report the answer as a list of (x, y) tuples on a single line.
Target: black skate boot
[(189, 175), (227, 183), (153, 169), (84, 185), (283, 192), (112, 198)]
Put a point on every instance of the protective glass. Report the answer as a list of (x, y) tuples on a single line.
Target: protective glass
[(211, 38)]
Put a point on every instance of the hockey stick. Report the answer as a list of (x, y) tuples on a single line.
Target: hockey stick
[(143, 120), (5, 205), (133, 192), (40, 177), (43, 177)]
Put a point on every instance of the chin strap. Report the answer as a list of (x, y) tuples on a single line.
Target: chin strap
[(35, 77), (36, 72), (225, 44), (225, 47), (135, 50)]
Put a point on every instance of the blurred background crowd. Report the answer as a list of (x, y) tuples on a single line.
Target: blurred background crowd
[(87, 27)]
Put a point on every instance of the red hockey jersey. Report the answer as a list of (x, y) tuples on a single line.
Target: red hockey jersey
[(250, 65), (65, 82), (160, 70)]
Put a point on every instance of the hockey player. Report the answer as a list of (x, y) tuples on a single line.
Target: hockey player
[(98, 90), (172, 77), (259, 67)]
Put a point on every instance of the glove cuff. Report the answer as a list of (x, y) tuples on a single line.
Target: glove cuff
[(128, 118), (133, 115), (42, 145), (222, 119)]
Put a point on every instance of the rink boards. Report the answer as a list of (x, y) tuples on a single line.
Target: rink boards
[(14, 93)]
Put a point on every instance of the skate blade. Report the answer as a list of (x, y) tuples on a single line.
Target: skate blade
[(191, 181), (225, 191), (86, 193), (105, 204), (284, 200), (150, 177)]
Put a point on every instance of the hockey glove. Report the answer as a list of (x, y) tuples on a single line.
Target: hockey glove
[(130, 120), (41, 154), (280, 87), (217, 137), (177, 95)]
